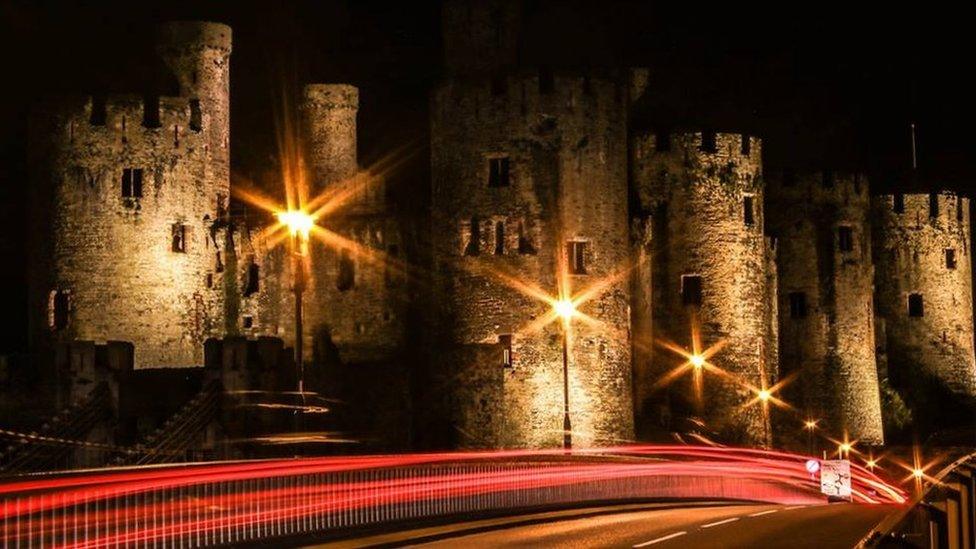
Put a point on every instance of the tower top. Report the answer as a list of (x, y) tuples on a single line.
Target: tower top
[(188, 35), (334, 96)]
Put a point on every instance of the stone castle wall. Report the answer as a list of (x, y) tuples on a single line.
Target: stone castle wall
[(698, 200), (104, 248), (910, 248), (563, 143), (826, 288)]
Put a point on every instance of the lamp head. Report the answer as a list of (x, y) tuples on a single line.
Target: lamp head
[(698, 361), (297, 221), (565, 309)]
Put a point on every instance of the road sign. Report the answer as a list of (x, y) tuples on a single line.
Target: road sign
[(835, 479)]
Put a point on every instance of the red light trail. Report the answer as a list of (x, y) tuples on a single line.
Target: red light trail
[(248, 501)]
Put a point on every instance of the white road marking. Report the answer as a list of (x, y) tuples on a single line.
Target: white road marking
[(719, 523), (794, 507), (660, 539), (761, 513)]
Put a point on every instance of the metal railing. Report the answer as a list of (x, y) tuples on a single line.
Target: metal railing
[(234, 503), (941, 516), (58, 437), (170, 441)]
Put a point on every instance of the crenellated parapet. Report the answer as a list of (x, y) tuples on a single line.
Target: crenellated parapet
[(922, 251)]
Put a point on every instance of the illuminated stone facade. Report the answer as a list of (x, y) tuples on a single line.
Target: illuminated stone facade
[(127, 195), (826, 291), (704, 194), (924, 289), (533, 173)]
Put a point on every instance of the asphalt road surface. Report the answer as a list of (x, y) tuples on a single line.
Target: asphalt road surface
[(732, 526)]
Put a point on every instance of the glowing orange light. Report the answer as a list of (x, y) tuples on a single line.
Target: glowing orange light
[(810, 424), (845, 447), (871, 464), (918, 473), (764, 395), (565, 309), (297, 221), (698, 361)]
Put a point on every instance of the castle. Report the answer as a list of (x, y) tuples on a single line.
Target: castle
[(543, 180)]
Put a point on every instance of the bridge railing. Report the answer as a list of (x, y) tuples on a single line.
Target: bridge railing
[(233, 503), (941, 516)]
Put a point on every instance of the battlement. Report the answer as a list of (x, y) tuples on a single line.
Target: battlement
[(699, 146), (187, 36), (331, 96), (531, 95), (127, 117), (943, 209), (820, 187)]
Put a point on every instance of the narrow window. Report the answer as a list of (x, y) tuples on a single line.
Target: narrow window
[(150, 112), (845, 238), (209, 280), (219, 263), (98, 111), (498, 171), (798, 305), (253, 280), (132, 183), (58, 307), (691, 290), (525, 246), (347, 272), (248, 321), (959, 213), (933, 205), (505, 340), (500, 238), (915, 306), (474, 242), (950, 256), (577, 257), (746, 145), (899, 203), (827, 179), (196, 115), (662, 141), (547, 82), (708, 142), (749, 215), (179, 238)]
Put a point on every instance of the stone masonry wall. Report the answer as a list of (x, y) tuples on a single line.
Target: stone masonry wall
[(697, 199), (910, 250), (114, 255), (565, 150), (825, 300)]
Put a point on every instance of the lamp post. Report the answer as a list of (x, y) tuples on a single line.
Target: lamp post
[(764, 395), (299, 225), (565, 310), (810, 425)]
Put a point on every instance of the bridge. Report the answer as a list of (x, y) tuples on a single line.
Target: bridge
[(309, 500)]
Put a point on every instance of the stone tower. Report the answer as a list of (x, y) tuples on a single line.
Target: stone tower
[(710, 267), (924, 289), (125, 196), (356, 294), (826, 277), (528, 178)]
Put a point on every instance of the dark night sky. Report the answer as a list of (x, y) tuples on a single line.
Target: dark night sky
[(823, 84)]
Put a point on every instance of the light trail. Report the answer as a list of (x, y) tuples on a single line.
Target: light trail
[(250, 499)]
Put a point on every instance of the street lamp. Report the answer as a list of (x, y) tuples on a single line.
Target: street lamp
[(697, 361), (299, 225), (565, 309), (810, 426)]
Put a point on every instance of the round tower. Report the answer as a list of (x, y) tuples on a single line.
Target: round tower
[(529, 179), (704, 191), (826, 292), (329, 125), (924, 290), (125, 194), (198, 54)]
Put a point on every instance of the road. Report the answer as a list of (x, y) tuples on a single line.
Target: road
[(714, 526)]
